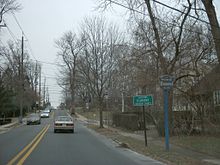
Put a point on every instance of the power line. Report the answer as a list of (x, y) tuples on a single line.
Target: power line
[(129, 8), (11, 33), (172, 8), (19, 25), (31, 50), (124, 6), (134, 10)]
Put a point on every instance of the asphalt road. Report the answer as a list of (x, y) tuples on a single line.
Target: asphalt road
[(38, 144)]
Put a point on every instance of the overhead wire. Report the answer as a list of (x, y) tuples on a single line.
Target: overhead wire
[(173, 24), (31, 51), (29, 45), (11, 33), (23, 33), (172, 8)]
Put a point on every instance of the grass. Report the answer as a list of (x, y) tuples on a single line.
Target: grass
[(203, 145), (154, 150)]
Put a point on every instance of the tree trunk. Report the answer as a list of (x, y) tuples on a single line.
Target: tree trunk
[(101, 113), (157, 38), (101, 118), (202, 121), (215, 29)]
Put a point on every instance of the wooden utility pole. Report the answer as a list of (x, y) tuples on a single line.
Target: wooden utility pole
[(44, 92), (35, 81), (21, 76), (39, 85)]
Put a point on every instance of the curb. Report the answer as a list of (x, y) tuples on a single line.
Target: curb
[(10, 125), (7, 127)]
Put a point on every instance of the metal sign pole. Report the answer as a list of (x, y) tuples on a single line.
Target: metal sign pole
[(166, 124), (145, 131), (166, 82)]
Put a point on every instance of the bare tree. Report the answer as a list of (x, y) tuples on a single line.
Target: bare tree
[(7, 6), (169, 40), (69, 49), (214, 24), (98, 59), (11, 69)]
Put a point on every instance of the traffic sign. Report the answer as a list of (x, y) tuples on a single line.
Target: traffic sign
[(142, 100), (166, 81)]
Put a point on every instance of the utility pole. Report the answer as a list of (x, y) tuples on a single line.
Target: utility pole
[(48, 97), (35, 87), (122, 96), (39, 86), (21, 76), (44, 92)]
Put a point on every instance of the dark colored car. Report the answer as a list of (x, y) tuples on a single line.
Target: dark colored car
[(33, 118)]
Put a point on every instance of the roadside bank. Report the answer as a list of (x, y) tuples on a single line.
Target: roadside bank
[(6, 127), (178, 153)]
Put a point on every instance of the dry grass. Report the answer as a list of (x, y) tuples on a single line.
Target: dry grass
[(155, 149)]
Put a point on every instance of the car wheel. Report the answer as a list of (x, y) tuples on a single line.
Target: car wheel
[(72, 131), (55, 130)]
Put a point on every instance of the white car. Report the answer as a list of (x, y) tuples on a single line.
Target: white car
[(46, 110), (44, 114), (63, 123)]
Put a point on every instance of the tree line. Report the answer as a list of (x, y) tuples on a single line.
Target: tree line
[(19, 75), (101, 60)]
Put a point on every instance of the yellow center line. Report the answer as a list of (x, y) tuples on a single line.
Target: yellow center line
[(32, 148), (26, 148)]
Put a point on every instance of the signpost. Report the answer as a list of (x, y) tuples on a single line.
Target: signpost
[(166, 83), (143, 100)]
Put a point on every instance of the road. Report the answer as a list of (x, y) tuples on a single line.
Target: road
[(38, 144)]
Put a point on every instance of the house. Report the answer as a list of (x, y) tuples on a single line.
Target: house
[(209, 85)]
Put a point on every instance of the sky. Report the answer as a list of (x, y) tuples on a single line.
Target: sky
[(44, 21)]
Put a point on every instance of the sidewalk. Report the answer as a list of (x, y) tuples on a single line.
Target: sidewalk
[(4, 128), (174, 149)]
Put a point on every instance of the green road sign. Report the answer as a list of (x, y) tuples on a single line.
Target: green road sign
[(142, 100)]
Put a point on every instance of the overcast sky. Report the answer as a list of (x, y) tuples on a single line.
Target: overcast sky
[(44, 21)]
